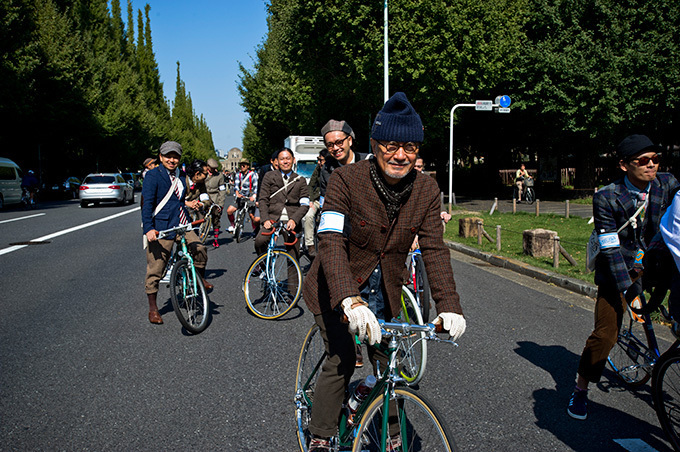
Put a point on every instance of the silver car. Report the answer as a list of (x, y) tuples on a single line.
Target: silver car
[(105, 187)]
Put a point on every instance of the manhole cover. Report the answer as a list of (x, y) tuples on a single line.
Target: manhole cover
[(30, 243)]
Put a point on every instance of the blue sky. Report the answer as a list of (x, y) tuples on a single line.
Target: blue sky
[(209, 38)]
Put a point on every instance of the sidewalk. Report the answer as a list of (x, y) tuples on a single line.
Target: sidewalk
[(505, 206), (572, 284)]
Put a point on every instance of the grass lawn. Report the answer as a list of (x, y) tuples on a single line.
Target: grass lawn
[(573, 232)]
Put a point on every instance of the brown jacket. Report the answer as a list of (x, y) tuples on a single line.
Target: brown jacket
[(272, 206), (345, 261)]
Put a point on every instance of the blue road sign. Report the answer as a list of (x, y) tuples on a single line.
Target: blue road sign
[(504, 101)]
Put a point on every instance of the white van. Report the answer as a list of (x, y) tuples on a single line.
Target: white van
[(305, 150), (10, 182)]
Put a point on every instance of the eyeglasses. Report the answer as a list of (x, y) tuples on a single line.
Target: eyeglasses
[(418, 166), (644, 161), (339, 143), (393, 146)]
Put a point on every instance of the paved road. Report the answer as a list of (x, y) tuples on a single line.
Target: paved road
[(82, 369)]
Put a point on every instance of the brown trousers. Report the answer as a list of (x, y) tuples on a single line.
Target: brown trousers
[(336, 374), (158, 254), (609, 309)]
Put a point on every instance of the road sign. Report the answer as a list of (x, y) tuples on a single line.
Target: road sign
[(503, 101), (483, 105), (503, 110)]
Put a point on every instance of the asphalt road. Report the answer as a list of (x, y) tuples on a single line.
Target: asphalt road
[(81, 368)]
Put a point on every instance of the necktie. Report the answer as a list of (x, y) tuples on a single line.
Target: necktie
[(641, 197), (182, 215)]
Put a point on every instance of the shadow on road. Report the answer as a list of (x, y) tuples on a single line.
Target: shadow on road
[(604, 424)]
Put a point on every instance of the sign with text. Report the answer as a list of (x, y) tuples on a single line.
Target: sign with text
[(483, 105)]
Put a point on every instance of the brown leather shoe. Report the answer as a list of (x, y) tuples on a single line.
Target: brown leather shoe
[(155, 318), (207, 285)]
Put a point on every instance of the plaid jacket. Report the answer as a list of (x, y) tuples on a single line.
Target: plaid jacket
[(612, 207), (345, 260)]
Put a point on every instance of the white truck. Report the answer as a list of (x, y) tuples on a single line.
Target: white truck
[(305, 150)]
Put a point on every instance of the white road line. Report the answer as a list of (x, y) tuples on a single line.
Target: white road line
[(66, 231), (22, 218), (635, 445)]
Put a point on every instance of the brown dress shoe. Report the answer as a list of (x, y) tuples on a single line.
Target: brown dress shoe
[(207, 285), (155, 318)]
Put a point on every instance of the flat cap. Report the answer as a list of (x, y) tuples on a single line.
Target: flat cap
[(171, 146), (335, 125)]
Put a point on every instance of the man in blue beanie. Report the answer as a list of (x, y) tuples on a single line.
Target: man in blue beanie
[(372, 212)]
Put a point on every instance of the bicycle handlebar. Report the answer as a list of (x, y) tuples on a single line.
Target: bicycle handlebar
[(183, 228), (277, 227)]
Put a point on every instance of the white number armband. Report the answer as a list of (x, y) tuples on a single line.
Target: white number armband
[(331, 222), (223, 187), (609, 240), (304, 201)]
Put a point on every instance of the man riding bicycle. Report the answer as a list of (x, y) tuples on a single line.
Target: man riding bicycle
[(372, 211), (216, 185), (245, 189)]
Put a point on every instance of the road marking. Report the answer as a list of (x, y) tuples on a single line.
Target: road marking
[(635, 445), (22, 218), (66, 231)]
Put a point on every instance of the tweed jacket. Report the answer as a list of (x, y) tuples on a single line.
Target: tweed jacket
[(216, 186), (613, 205), (291, 198), (345, 260), (195, 190), (156, 185)]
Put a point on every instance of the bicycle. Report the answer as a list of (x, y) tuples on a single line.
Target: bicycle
[(187, 293), (207, 225), (273, 282), (528, 192), (240, 217), (27, 201), (414, 360), (416, 423), (418, 280)]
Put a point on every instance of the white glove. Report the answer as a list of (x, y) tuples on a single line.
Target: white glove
[(453, 323), (361, 320)]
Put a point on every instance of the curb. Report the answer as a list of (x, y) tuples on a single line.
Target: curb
[(572, 284)]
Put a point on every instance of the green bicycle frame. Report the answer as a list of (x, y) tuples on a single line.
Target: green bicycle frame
[(186, 254)]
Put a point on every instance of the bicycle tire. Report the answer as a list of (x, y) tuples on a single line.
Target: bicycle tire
[(530, 195), (189, 299), (308, 369), (422, 289), (666, 395), (204, 229), (420, 426), (238, 229), (277, 292), (412, 362), (628, 358)]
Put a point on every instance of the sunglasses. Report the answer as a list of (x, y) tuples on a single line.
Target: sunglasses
[(644, 161)]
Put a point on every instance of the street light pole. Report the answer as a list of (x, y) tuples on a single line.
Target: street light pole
[(387, 62), (453, 110)]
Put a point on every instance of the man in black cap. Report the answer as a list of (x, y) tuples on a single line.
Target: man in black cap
[(372, 212), (627, 214)]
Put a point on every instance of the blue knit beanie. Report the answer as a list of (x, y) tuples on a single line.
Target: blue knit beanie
[(398, 121)]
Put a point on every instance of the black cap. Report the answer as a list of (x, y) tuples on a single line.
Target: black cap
[(633, 145)]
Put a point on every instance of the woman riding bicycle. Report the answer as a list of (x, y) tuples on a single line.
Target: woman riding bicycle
[(520, 176)]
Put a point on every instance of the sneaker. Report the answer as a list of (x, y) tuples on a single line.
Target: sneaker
[(230, 229), (317, 444), (360, 357), (578, 404)]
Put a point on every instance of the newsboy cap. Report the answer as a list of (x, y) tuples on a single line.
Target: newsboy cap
[(171, 146), (633, 145), (334, 125), (398, 121)]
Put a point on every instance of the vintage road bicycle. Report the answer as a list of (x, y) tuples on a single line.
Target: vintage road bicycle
[(413, 422), (273, 282), (187, 293), (240, 216)]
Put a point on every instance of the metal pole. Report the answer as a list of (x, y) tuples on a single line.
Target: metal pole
[(453, 110), (387, 62)]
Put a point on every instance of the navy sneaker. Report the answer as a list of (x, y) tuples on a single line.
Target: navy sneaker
[(578, 404)]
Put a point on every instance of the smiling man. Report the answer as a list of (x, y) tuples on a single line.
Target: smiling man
[(372, 212), (627, 215), (339, 138)]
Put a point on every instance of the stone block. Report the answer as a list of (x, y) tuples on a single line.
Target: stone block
[(467, 227), (539, 242)]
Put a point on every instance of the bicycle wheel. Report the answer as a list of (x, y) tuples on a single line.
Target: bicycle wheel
[(628, 359), (422, 289), (529, 195), (189, 299), (412, 361), (666, 395), (309, 366), (416, 424), (238, 229), (273, 290), (204, 229)]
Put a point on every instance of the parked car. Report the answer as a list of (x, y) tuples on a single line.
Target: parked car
[(10, 182), (97, 188), (68, 188)]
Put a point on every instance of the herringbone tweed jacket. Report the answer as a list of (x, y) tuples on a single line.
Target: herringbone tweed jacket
[(345, 260)]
